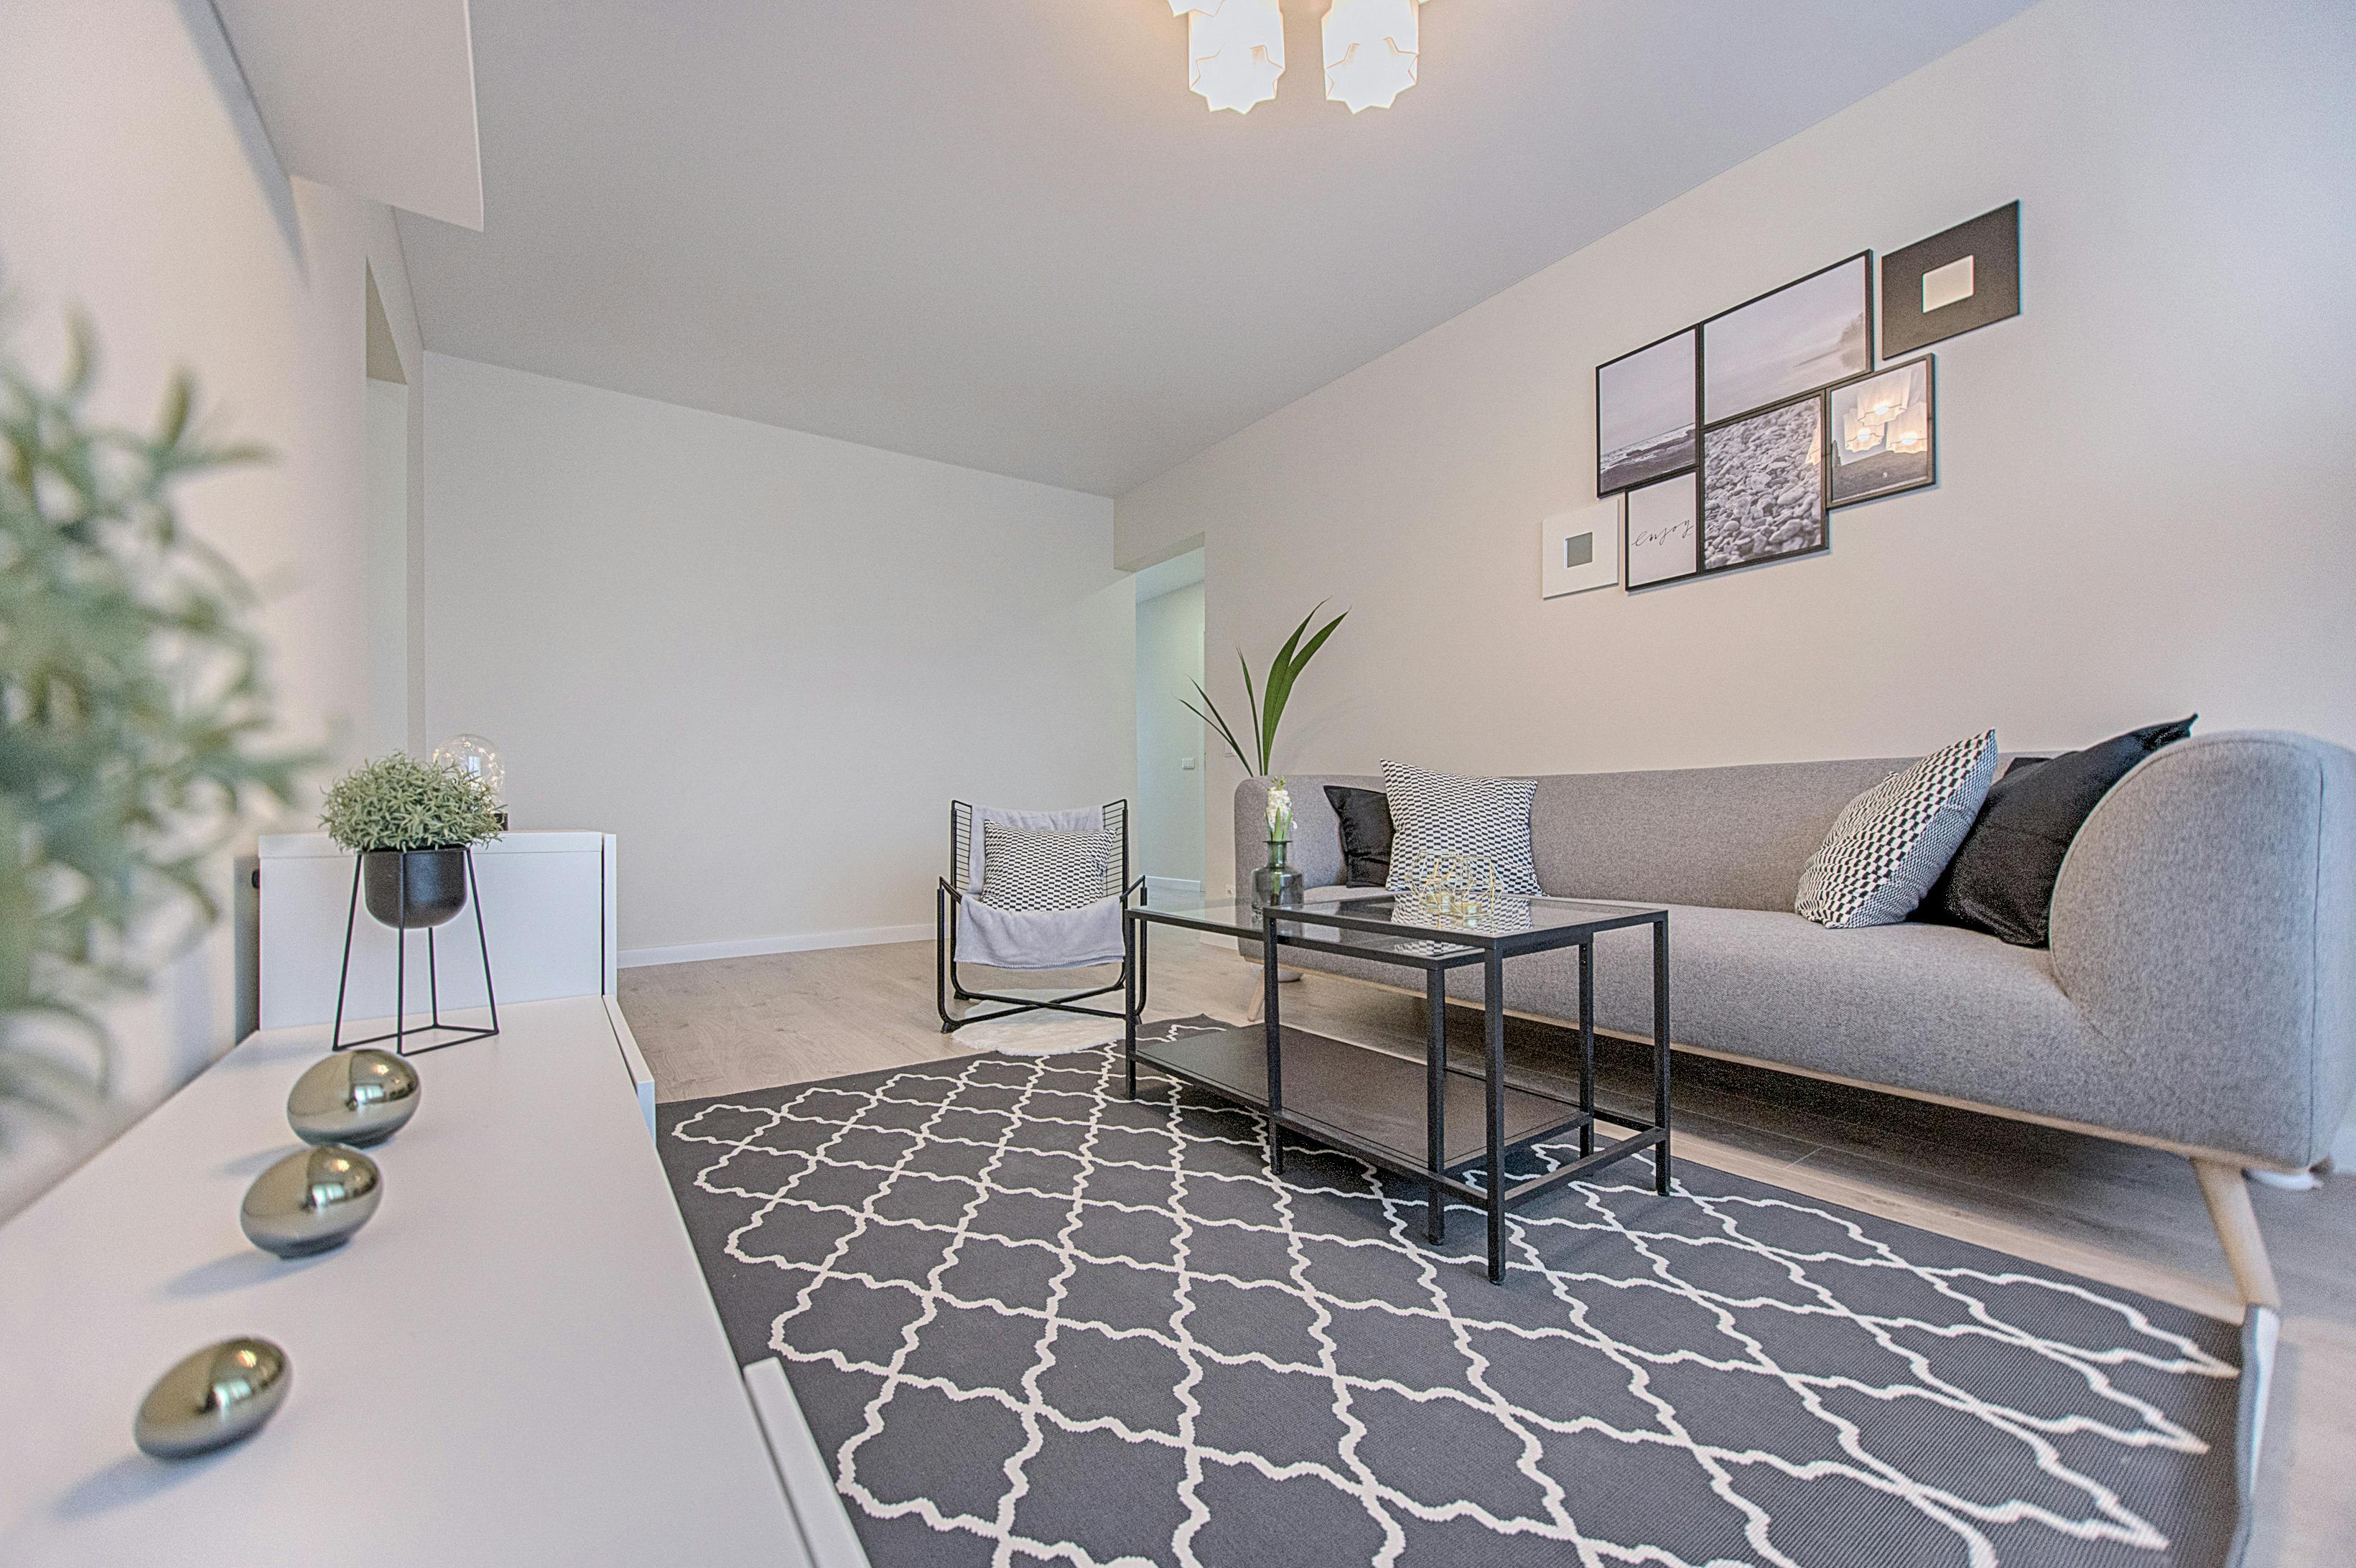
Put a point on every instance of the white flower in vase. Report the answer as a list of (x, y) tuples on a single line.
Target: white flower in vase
[(1279, 812)]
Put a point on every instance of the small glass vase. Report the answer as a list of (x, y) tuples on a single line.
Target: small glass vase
[(1278, 884)]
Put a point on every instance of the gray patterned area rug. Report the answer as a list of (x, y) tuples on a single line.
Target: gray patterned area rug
[(1032, 1321)]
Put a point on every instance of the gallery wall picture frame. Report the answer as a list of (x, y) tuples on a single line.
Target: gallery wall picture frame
[(1662, 526), (1881, 432), (1648, 412), (1580, 550), (1789, 342), (1763, 486), (1957, 281)]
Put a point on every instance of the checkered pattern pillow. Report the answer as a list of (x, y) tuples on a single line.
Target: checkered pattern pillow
[(1438, 813), (1892, 841), (1029, 868)]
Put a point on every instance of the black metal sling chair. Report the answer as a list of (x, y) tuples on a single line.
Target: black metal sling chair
[(957, 886)]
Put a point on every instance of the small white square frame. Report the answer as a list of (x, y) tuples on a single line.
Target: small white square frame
[(1950, 284), (1592, 532)]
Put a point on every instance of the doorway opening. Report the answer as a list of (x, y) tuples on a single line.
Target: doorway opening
[(1169, 815)]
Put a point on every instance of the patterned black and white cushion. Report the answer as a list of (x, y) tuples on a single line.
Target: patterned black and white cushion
[(1029, 868), (1440, 813), (1892, 841)]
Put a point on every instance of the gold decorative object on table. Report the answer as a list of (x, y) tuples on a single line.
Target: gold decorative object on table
[(1459, 888), (211, 1399), (312, 1199), (356, 1097)]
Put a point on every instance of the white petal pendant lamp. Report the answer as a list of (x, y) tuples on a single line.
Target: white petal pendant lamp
[(1883, 399), (1235, 50), (1371, 48), (1910, 433)]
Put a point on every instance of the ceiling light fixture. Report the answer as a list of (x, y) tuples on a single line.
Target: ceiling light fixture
[(1370, 51), (1235, 50)]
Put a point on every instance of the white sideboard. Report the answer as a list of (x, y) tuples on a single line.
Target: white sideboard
[(548, 908), (516, 1362)]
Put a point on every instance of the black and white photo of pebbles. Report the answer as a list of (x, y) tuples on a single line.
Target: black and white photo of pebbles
[(1762, 490)]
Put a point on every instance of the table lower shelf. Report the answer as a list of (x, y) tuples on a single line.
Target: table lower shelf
[(1354, 1095)]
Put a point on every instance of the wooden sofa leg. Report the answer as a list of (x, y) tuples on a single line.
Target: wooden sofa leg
[(2237, 1228)]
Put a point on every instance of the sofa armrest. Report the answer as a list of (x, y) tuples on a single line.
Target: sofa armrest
[(1316, 830), (2204, 923)]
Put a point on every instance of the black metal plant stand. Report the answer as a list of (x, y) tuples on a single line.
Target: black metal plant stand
[(400, 1033)]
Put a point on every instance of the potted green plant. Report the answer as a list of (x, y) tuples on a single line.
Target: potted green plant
[(412, 824), (1276, 882)]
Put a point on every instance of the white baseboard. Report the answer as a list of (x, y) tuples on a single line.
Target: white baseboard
[(756, 946), (1176, 887)]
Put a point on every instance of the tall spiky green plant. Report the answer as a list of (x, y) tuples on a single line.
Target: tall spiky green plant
[(1267, 704), (132, 717)]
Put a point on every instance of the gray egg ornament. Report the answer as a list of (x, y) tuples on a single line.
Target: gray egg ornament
[(213, 1398), (355, 1097), (311, 1200)]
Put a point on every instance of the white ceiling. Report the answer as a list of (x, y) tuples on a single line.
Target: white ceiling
[(1002, 233)]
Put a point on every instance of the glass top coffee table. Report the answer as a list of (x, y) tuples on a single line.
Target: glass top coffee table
[(1396, 1114)]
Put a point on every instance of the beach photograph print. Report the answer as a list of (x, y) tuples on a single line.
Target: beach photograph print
[(1763, 486), (1663, 531), (1802, 338), (1883, 433), (1645, 407)]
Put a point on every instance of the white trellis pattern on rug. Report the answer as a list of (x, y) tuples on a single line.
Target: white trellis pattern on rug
[(981, 1274)]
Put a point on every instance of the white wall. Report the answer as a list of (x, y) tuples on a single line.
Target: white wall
[(385, 486), (767, 660), (1169, 737), (135, 183), (2145, 505)]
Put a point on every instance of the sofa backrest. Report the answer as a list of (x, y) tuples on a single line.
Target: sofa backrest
[(1734, 837)]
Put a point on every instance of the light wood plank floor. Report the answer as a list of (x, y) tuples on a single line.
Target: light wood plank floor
[(2128, 1216)]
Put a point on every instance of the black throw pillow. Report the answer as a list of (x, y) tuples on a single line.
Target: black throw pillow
[(2001, 880), (1366, 816)]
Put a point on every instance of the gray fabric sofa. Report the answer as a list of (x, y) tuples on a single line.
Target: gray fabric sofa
[(2200, 994)]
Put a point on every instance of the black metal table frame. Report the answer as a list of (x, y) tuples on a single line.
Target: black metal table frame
[(1459, 949)]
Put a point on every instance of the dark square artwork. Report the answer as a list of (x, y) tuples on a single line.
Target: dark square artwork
[(1951, 282), (1763, 486)]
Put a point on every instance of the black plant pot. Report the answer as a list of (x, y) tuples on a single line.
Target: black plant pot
[(436, 889)]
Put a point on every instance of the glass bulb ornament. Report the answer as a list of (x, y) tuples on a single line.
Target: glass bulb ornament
[(1234, 50), (1371, 50), (478, 759)]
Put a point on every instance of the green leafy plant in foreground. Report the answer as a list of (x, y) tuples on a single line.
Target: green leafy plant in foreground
[(399, 803), (1268, 705), (132, 719)]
